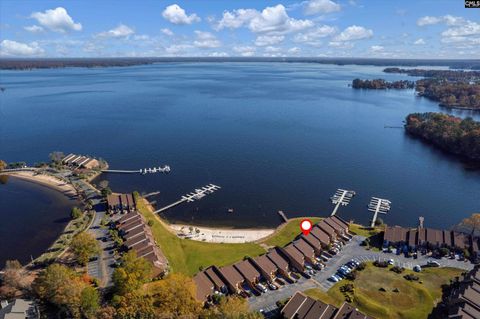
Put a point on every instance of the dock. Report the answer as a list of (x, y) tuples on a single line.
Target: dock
[(282, 214), (341, 197), (165, 169), (151, 194), (378, 206), (198, 194)]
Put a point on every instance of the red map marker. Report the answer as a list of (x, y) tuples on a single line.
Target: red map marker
[(306, 226)]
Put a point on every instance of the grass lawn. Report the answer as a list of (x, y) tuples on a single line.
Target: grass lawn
[(414, 299), (288, 232), (364, 231), (186, 256)]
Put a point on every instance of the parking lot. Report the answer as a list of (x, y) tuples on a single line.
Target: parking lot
[(352, 250)]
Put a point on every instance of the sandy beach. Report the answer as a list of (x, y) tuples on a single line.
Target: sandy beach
[(45, 180), (220, 235)]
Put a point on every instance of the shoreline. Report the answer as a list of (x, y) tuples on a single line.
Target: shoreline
[(45, 180)]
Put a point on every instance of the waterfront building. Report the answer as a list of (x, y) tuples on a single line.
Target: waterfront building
[(19, 309), (81, 161), (121, 203), (301, 306)]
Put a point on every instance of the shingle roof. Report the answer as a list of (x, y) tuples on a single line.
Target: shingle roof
[(265, 264), (247, 270), (278, 260)]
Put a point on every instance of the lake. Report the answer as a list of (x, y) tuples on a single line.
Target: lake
[(32, 218), (274, 136)]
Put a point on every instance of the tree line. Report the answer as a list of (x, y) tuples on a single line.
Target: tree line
[(451, 75), (381, 84), (450, 94), (452, 134)]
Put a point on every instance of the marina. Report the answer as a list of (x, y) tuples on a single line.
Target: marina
[(161, 169), (378, 206), (341, 197), (198, 194)]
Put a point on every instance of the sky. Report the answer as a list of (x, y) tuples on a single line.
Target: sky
[(309, 28)]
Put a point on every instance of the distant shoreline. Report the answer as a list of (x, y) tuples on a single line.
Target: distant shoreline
[(50, 63)]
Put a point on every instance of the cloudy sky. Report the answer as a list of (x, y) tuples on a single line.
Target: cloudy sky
[(317, 28)]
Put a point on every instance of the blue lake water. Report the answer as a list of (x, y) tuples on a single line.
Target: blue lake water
[(275, 136), (32, 218)]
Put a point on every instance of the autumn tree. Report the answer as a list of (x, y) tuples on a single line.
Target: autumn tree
[(60, 286), (175, 296), (231, 308), (84, 246), (3, 165), (131, 274), (14, 279), (75, 213), (134, 305), (472, 222)]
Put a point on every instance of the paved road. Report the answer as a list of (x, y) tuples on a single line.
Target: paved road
[(351, 250)]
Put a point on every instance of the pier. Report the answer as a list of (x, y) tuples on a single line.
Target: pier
[(165, 169), (282, 214), (151, 194), (198, 194), (378, 206), (341, 197)]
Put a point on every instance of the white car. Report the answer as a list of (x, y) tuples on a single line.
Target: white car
[(334, 278), (391, 261)]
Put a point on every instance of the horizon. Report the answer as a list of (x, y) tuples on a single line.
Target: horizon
[(283, 29)]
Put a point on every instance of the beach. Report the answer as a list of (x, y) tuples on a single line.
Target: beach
[(220, 235), (45, 180)]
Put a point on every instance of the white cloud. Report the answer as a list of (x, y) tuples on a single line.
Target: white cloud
[(376, 48), (141, 37), (264, 40), (244, 50), (121, 31), (34, 28), (353, 32), (14, 48), (178, 48), (271, 49), (428, 20), (206, 40), (177, 15), (447, 19), (56, 20), (314, 35), (321, 6), (419, 42), (167, 31), (218, 54), (294, 50), (273, 20), (470, 28)]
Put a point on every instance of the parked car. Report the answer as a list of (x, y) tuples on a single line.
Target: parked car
[(391, 261), (261, 288), (272, 286), (280, 281), (334, 278), (417, 268), (433, 263)]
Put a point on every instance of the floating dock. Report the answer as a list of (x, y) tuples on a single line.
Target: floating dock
[(282, 214), (341, 197), (165, 169), (378, 206), (198, 194)]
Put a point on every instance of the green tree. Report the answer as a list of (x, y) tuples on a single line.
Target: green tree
[(106, 191), (75, 213), (56, 157), (89, 302), (84, 246), (174, 296), (131, 274)]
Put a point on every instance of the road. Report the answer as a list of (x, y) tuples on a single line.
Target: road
[(351, 250)]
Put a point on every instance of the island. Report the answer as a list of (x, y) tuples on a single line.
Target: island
[(458, 94), (451, 75), (449, 133), (381, 84)]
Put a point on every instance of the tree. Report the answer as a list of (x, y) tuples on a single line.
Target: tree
[(174, 296), (89, 302), (132, 273), (231, 308), (106, 191), (134, 305), (3, 165), (75, 213), (472, 222), (56, 157), (108, 312), (61, 287), (14, 279), (84, 247)]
